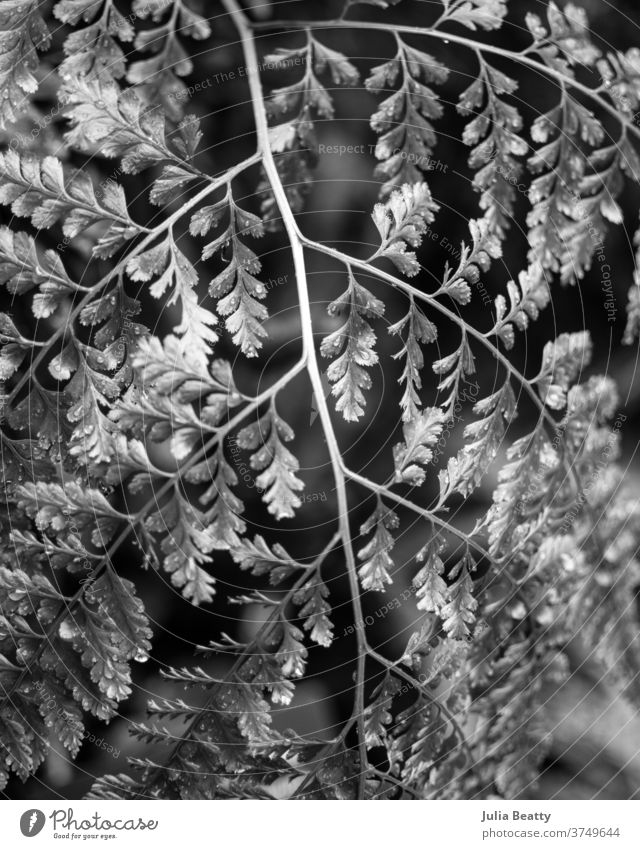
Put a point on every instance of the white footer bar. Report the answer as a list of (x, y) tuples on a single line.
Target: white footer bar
[(321, 825)]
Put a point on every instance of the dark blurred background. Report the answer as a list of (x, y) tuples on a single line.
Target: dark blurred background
[(596, 734)]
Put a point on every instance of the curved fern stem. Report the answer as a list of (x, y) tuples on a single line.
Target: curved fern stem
[(242, 24), (514, 55), (430, 516)]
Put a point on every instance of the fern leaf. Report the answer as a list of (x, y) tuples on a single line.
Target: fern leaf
[(420, 435), (494, 134), (453, 369), (472, 260), (419, 331), (632, 329), (118, 124), (302, 102), (314, 609), (173, 272), (23, 268), (378, 716), (186, 544), (116, 599), (237, 289), (562, 362), (476, 14), (516, 500), (566, 211), (258, 557), (158, 78), (404, 120), (291, 654), (402, 221), (429, 583), (277, 465), (483, 439), (59, 509), (565, 39), (458, 614), (24, 33), (224, 509), (93, 49), (526, 302), (42, 191), (375, 570), (353, 346)]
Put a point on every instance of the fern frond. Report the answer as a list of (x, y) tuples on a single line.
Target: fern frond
[(186, 543), (353, 346), (301, 104), (375, 570), (277, 465), (482, 441), (419, 331), (404, 120), (159, 78), (494, 135), (84, 665), (420, 434), (93, 49), (475, 14), (119, 124), (565, 39), (402, 221), (237, 289), (560, 226), (174, 274), (24, 33), (526, 300), (47, 194)]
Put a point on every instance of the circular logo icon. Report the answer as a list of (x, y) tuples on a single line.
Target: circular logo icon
[(32, 822)]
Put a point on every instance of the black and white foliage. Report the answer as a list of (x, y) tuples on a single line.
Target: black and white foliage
[(147, 351)]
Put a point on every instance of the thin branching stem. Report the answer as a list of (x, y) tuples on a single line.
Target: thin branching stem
[(432, 301), (520, 57), (262, 129), (466, 328), (428, 515)]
